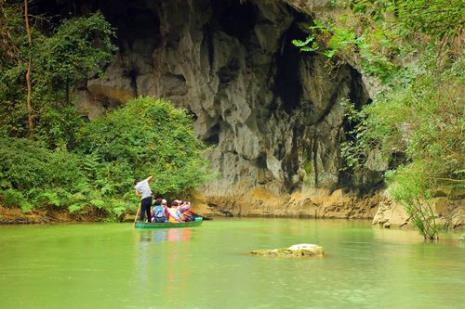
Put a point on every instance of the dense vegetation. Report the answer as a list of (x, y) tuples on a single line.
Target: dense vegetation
[(144, 137), (414, 49), (36, 76), (52, 158)]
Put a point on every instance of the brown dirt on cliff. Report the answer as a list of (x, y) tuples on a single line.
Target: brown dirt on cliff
[(260, 202)]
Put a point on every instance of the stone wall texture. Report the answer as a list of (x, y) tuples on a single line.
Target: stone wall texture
[(270, 114)]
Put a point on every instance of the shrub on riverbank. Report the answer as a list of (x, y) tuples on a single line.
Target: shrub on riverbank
[(147, 136), (34, 176)]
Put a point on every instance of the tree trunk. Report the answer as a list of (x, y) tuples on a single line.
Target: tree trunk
[(30, 120)]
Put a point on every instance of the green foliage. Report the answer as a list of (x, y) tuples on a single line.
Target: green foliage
[(340, 42), (381, 34), (58, 126), (30, 174), (411, 186), (436, 18), (14, 198), (145, 137), (426, 122), (310, 44), (353, 149), (75, 51), (61, 57), (68, 163)]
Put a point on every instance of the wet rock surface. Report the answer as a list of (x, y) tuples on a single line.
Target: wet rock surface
[(300, 250)]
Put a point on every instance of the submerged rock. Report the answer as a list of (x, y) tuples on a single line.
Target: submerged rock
[(300, 250)]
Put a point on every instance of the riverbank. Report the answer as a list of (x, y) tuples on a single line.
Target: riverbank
[(317, 203), (46, 216), (326, 204), (259, 202)]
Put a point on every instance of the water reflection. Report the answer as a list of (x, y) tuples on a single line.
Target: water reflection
[(163, 235), (397, 236), (163, 263)]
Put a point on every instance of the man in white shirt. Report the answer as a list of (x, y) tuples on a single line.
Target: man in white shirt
[(143, 190)]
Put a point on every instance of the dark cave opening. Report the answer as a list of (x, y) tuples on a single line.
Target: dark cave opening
[(213, 135), (287, 85), (132, 74), (260, 162), (133, 21), (207, 43), (229, 72), (235, 18), (357, 94), (134, 25)]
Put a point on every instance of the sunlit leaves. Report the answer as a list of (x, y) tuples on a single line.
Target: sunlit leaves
[(146, 137)]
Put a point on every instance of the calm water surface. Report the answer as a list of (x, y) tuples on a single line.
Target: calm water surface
[(115, 266)]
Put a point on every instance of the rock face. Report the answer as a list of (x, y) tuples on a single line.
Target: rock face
[(449, 213), (390, 214), (300, 250), (270, 114), (314, 203)]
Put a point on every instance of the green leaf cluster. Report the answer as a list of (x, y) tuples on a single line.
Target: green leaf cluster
[(76, 50), (145, 137), (61, 57), (33, 176)]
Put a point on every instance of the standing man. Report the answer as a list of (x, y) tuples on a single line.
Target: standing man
[(143, 190)]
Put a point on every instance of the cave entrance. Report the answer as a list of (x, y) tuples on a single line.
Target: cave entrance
[(137, 27), (288, 86), (235, 18)]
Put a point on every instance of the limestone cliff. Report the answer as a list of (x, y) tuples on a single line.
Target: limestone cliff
[(270, 114)]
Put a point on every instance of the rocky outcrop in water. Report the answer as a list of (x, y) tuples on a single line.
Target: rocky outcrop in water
[(449, 213), (300, 250)]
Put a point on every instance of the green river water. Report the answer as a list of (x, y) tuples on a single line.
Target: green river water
[(115, 266)]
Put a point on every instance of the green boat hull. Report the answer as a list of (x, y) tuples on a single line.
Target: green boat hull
[(141, 225)]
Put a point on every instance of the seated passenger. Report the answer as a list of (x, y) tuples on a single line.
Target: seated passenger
[(164, 203), (185, 211), (159, 211), (174, 216)]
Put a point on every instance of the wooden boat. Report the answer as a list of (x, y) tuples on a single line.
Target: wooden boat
[(142, 225)]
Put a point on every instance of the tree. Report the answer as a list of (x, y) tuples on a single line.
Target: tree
[(77, 50), (60, 56), (28, 70)]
